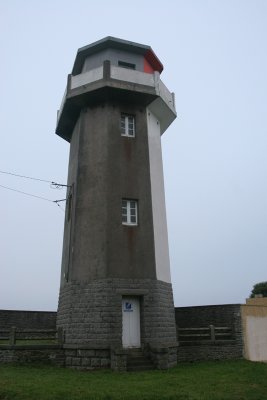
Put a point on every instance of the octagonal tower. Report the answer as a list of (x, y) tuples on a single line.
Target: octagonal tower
[(116, 292)]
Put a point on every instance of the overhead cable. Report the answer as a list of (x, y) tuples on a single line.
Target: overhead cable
[(23, 176), (33, 195), (27, 194), (57, 185)]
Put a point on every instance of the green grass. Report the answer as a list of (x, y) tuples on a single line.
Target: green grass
[(227, 380)]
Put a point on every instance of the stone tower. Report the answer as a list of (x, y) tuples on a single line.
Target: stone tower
[(116, 291)]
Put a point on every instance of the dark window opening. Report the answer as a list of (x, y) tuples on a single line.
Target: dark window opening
[(124, 64)]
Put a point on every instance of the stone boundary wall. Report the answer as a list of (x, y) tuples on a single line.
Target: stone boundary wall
[(226, 315), (81, 357), (69, 356), (227, 350), (76, 357), (27, 319), (203, 316), (28, 354)]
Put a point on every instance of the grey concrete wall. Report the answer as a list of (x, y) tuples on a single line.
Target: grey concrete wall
[(70, 205), (114, 56), (27, 319), (105, 167)]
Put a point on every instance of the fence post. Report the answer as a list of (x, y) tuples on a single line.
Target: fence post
[(12, 336), (212, 333), (60, 335)]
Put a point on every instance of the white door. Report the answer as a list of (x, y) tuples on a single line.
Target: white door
[(130, 322)]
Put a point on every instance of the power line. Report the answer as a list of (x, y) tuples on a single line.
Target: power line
[(57, 185), (27, 194), (37, 197), (24, 176), (54, 185)]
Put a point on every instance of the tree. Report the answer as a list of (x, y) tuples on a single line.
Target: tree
[(259, 288)]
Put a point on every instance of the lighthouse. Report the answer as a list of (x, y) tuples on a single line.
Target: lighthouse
[(116, 301)]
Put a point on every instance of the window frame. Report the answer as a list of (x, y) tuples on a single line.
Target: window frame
[(129, 213), (126, 120), (127, 65)]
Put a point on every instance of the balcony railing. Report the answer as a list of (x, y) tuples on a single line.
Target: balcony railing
[(123, 75), (87, 77), (130, 75)]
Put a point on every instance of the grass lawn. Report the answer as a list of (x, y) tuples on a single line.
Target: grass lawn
[(231, 380)]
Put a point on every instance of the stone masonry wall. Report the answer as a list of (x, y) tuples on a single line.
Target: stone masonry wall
[(209, 351), (27, 319), (32, 354), (93, 336), (84, 357), (203, 316), (91, 313), (226, 315)]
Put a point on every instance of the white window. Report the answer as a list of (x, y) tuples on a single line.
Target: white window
[(129, 212), (127, 125)]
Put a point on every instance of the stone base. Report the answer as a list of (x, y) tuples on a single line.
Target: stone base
[(91, 315), (83, 357), (164, 357)]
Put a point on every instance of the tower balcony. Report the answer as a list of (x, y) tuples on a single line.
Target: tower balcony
[(110, 81)]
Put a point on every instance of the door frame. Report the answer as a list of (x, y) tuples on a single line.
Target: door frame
[(136, 300)]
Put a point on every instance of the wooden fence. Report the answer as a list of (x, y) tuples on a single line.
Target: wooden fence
[(15, 334), (208, 334), (185, 335)]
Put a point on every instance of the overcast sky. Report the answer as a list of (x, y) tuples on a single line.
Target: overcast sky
[(215, 163)]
